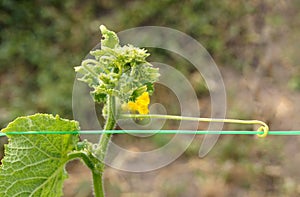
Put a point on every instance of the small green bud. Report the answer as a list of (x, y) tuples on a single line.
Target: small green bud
[(110, 40)]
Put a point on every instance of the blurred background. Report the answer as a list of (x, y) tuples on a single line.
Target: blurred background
[(254, 43)]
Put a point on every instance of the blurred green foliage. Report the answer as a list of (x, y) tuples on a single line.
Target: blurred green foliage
[(41, 42)]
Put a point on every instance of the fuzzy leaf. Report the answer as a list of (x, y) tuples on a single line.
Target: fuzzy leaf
[(110, 40), (34, 165)]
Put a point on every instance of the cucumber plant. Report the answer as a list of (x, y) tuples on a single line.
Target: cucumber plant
[(34, 164)]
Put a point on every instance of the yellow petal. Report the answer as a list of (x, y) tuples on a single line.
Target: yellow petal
[(144, 98), (132, 106), (143, 109)]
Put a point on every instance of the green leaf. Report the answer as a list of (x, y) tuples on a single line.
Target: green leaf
[(34, 165), (110, 40)]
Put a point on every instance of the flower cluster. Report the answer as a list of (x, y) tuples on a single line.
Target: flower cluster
[(119, 71)]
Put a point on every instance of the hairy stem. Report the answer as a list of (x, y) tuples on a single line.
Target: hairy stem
[(82, 155), (102, 147), (97, 181)]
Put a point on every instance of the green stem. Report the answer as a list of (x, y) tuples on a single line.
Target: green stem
[(97, 177), (85, 158), (97, 181), (102, 147)]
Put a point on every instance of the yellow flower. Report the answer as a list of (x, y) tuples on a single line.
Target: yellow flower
[(141, 104)]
